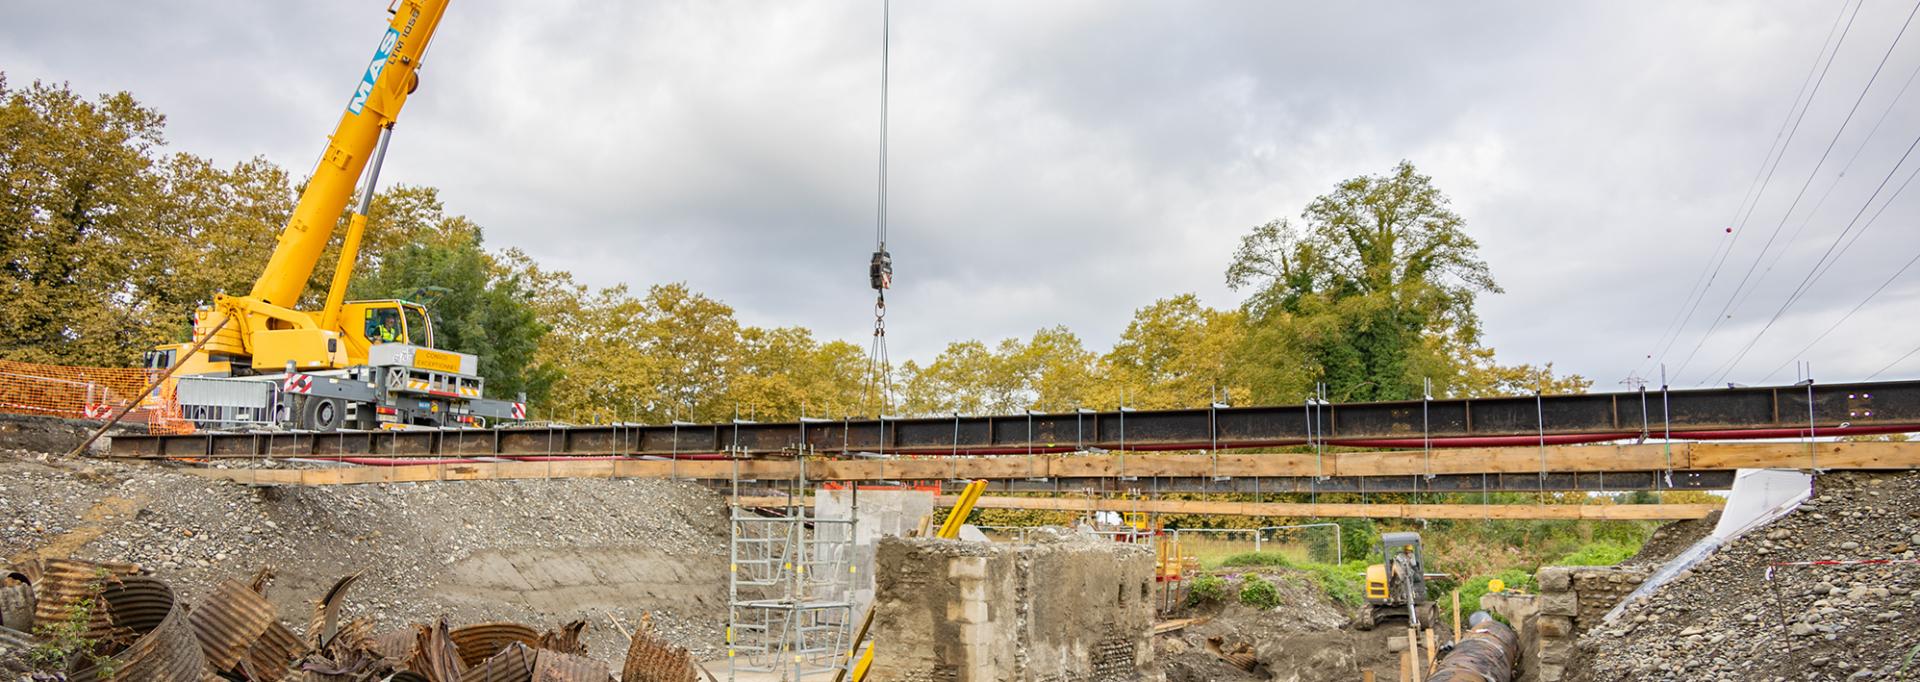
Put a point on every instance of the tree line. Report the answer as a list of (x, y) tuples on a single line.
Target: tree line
[(108, 240)]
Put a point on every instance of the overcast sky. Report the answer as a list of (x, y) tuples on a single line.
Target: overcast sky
[(1069, 162)]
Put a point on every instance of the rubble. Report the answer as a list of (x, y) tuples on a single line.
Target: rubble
[(475, 551), (1739, 616)]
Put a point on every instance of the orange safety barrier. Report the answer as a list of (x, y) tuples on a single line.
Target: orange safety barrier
[(86, 393)]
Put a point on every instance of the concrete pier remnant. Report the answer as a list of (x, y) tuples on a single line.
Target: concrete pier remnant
[(1062, 608)]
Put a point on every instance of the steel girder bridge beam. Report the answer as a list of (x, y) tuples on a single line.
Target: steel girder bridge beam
[(1701, 414)]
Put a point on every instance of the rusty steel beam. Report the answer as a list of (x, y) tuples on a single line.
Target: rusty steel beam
[(1702, 414)]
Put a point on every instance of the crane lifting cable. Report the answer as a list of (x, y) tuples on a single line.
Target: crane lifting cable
[(880, 268)]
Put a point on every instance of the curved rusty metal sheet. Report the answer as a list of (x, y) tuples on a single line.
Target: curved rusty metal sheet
[(396, 646), (59, 584), (228, 621), (163, 648), (652, 659), (272, 655), (514, 663), (323, 626), (481, 641), (434, 655), (553, 666)]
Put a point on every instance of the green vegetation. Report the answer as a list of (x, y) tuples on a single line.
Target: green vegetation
[(1256, 592), (1340, 582), (1206, 588), (1598, 554), (64, 645)]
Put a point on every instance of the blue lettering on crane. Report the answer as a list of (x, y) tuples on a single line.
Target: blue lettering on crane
[(372, 75)]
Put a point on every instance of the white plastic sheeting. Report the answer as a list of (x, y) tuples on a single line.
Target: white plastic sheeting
[(1759, 496)]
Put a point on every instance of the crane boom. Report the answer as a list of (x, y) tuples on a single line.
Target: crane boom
[(370, 364), (383, 88)]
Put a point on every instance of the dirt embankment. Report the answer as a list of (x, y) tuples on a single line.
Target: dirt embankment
[(540, 552), (1307, 638), (1739, 616)]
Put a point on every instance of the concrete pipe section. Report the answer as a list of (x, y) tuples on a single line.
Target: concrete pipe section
[(1488, 653)]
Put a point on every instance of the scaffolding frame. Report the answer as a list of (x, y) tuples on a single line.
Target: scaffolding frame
[(790, 583)]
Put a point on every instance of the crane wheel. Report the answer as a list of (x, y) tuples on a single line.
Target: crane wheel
[(322, 414)]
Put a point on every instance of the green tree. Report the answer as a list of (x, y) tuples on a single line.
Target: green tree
[(1371, 294), (75, 216), (1175, 353), (478, 307)]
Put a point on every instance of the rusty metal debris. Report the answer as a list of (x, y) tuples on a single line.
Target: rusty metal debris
[(651, 659), (139, 631), (478, 643), (232, 618), (565, 639), (1239, 654)]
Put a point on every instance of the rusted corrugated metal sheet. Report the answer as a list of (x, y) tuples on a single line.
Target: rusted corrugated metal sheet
[(396, 646), (434, 655), (229, 620), (163, 647), (553, 666), (565, 639), (271, 656), (59, 584), (479, 642), (514, 663), (326, 613), (651, 659)]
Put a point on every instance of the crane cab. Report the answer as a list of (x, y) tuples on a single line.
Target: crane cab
[(366, 324)]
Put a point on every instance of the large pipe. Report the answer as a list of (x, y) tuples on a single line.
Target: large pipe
[(1488, 653)]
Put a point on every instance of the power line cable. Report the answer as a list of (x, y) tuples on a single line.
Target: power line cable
[(1722, 315), (1813, 275), (1903, 358), (1864, 143), (1843, 318), (1789, 127)]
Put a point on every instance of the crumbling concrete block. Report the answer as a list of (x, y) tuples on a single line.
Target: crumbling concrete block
[(1077, 609)]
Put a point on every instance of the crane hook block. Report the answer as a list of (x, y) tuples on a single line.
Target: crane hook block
[(880, 271)]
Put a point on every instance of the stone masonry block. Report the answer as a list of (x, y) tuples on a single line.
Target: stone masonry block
[(1554, 627), (1555, 578), (1557, 651), (1551, 672), (1560, 604)]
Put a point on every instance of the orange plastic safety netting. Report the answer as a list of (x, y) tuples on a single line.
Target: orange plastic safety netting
[(86, 393)]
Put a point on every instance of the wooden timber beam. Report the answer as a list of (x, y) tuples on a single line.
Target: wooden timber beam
[(1591, 512), (1679, 457)]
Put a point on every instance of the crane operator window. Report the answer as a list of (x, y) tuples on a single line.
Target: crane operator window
[(419, 332), (383, 326)]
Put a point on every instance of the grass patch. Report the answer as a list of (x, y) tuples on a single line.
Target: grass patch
[(1206, 589), (1256, 592), (1602, 553), (1340, 582)]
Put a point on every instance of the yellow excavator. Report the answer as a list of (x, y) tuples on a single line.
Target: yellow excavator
[(1397, 586), (359, 364)]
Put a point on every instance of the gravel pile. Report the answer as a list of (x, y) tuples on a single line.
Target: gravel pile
[(539, 552), (1726, 620)]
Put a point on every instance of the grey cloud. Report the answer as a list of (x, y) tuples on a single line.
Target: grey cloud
[(1068, 162)]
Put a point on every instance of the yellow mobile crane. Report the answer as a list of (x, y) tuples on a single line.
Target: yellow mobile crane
[(351, 363)]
